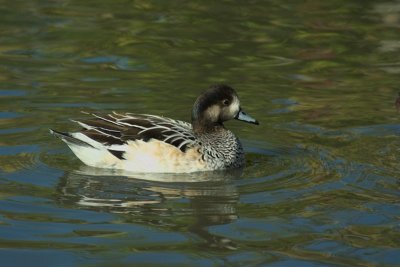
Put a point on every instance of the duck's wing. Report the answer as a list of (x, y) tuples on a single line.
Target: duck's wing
[(118, 129)]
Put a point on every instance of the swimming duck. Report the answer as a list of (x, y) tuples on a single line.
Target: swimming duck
[(150, 143)]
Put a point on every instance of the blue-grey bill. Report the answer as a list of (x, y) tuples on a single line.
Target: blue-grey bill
[(242, 116)]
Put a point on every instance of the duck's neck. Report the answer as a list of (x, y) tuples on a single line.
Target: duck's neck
[(204, 127)]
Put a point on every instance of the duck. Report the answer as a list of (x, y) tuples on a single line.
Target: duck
[(144, 143)]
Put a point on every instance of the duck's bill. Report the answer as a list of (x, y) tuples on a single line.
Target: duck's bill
[(242, 116)]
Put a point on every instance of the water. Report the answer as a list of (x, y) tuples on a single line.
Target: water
[(321, 186)]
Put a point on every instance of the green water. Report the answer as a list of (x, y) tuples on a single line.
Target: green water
[(321, 186)]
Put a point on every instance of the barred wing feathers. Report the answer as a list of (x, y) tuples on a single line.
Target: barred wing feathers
[(118, 129)]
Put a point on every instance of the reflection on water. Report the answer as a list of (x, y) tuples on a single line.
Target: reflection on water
[(207, 203), (197, 177)]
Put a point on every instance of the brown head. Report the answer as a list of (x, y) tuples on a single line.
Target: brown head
[(217, 104)]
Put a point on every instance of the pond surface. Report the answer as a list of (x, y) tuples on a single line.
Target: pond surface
[(321, 186)]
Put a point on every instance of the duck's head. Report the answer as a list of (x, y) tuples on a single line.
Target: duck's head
[(217, 104)]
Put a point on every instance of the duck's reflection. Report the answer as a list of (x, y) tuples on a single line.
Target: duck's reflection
[(191, 201)]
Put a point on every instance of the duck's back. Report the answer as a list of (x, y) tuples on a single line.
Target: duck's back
[(138, 143)]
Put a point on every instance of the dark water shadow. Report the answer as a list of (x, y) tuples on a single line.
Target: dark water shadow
[(191, 207)]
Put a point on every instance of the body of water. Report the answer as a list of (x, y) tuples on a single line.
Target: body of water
[(321, 185)]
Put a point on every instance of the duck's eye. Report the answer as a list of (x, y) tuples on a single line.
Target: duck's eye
[(225, 102)]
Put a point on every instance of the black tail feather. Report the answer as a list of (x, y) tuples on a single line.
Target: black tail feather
[(68, 138)]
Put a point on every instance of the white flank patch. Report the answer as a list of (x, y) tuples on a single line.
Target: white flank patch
[(94, 157), (84, 138)]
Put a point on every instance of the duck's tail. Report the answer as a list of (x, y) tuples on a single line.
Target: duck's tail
[(69, 139), (89, 151)]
